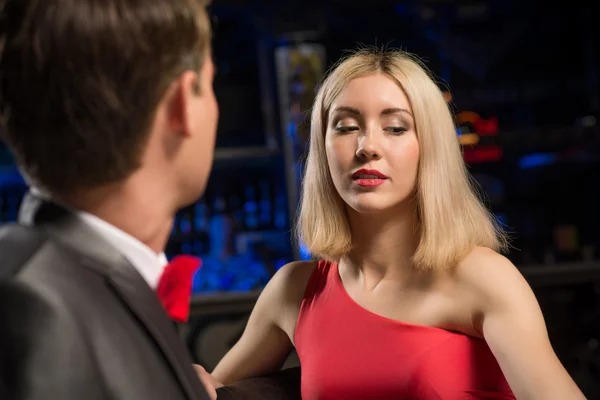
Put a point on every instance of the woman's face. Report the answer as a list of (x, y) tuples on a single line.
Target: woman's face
[(371, 144)]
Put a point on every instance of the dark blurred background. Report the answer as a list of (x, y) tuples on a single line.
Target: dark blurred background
[(523, 78)]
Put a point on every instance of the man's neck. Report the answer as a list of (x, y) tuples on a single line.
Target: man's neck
[(135, 210)]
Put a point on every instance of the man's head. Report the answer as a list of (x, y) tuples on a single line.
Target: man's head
[(94, 91)]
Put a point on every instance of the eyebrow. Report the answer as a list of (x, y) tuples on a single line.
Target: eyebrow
[(387, 111)]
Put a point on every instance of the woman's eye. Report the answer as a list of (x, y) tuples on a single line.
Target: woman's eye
[(344, 129), (398, 130)]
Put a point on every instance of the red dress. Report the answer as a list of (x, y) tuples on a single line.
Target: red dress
[(348, 352)]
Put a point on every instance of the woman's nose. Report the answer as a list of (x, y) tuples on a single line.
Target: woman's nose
[(368, 147)]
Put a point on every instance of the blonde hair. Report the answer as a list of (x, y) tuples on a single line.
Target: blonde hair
[(452, 218)]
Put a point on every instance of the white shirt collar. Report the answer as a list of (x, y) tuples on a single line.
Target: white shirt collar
[(149, 264)]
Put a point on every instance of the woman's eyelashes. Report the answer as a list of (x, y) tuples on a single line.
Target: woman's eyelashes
[(345, 129), (396, 130)]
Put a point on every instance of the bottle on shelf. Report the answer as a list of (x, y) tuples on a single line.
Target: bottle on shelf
[(281, 219), (265, 209), (251, 218)]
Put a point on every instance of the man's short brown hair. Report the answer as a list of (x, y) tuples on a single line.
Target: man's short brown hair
[(80, 81)]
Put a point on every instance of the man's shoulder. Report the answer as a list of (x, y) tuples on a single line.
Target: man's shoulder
[(28, 304), (18, 246), (31, 259), (42, 287), (39, 326)]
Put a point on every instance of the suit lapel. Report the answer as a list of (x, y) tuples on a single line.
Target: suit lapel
[(142, 301), (122, 277)]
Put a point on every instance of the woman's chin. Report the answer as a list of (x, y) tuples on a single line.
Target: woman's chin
[(377, 204), (369, 207)]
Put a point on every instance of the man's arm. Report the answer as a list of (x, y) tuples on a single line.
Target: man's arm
[(43, 355)]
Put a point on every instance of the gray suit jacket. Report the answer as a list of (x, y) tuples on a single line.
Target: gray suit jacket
[(77, 321)]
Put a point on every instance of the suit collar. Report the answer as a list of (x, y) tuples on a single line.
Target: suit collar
[(65, 227)]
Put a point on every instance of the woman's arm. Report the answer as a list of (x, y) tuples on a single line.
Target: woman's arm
[(508, 316), (265, 343)]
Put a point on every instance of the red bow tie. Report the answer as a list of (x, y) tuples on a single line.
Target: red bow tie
[(175, 286)]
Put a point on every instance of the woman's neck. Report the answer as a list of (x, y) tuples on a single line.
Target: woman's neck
[(383, 244)]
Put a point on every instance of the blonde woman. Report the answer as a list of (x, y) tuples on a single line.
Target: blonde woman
[(410, 299)]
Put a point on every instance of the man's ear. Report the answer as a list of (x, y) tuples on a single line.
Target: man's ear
[(179, 98)]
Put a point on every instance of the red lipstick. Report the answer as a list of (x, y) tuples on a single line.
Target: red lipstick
[(368, 177)]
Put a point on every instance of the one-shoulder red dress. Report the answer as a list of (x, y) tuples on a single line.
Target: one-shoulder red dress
[(347, 352)]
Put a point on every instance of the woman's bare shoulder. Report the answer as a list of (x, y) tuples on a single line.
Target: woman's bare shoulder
[(291, 279), (484, 266), (491, 278), (282, 297)]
